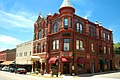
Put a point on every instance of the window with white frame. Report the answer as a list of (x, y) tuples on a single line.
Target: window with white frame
[(104, 36), (55, 44), (104, 49), (79, 45), (92, 47), (108, 37), (79, 27)]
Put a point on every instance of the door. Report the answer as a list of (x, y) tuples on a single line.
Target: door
[(110, 64), (66, 68)]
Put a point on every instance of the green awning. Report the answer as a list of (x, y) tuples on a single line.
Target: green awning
[(102, 61)]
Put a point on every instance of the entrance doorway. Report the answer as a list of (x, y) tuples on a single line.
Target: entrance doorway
[(110, 64), (66, 68)]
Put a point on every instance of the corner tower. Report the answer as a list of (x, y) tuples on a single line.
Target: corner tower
[(66, 7)]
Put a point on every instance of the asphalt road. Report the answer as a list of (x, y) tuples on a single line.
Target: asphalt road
[(13, 76)]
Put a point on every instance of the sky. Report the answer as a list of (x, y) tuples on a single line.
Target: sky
[(17, 17)]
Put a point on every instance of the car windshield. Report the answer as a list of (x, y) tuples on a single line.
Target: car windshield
[(21, 69)]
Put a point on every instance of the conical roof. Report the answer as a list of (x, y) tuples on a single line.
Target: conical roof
[(66, 3)]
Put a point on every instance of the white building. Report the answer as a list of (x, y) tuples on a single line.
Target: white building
[(23, 55)]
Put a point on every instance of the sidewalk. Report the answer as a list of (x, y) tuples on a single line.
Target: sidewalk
[(68, 75), (99, 73)]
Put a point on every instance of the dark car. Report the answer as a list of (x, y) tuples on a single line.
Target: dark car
[(12, 69), (21, 71)]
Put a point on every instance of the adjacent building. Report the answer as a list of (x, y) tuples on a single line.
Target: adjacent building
[(23, 55), (7, 57), (117, 61), (67, 43), (2, 56)]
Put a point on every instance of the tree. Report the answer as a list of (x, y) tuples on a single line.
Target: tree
[(117, 48)]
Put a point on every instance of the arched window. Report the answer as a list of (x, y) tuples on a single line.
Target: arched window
[(79, 27)]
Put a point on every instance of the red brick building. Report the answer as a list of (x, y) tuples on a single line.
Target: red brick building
[(2, 56), (69, 43), (7, 56)]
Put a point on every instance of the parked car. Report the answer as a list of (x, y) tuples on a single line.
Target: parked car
[(21, 71), (0, 68), (5, 68), (13, 69)]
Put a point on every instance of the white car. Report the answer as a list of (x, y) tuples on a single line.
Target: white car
[(5, 68)]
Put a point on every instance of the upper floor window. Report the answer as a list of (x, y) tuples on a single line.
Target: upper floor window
[(60, 23), (100, 49), (66, 44), (30, 53), (79, 45), (92, 47), (66, 23), (25, 53), (34, 49), (104, 49), (108, 37), (43, 47), (39, 48), (71, 23), (55, 28), (92, 31), (20, 54), (55, 44), (108, 50), (104, 36), (79, 27), (39, 34), (44, 33)]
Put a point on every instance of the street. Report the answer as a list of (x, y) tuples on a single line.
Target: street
[(13, 76)]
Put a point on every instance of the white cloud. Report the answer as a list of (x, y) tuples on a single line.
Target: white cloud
[(89, 14), (4, 39), (19, 20)]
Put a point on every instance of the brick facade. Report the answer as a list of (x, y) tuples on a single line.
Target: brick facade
[(77, 44)]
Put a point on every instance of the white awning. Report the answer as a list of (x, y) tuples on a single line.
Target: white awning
[(36, 58)]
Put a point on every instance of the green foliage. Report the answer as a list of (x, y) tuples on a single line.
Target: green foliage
[(37, 72), (117, 48)]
